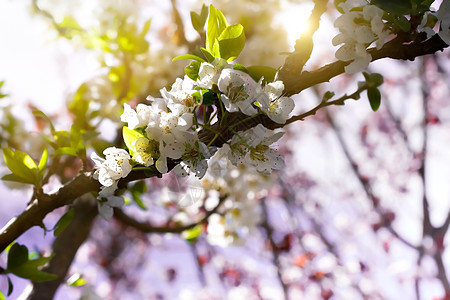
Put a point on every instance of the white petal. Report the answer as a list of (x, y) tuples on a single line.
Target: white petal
[(105, 210)]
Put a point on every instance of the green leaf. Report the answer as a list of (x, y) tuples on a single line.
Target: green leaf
[(2, 296), (43, 160), (136, 191), (10, 286), (69, 22), (216, 24), (15, 178), (262, 71), (189, 56), (17, 256), (374, 79), (66, 150), (129, 136), (29, 270), (403, 23), (374, 98), (327, 96), (240, 67), (42, 115), (231, 42), (22, 165), (198, 20), (79, 105), (399, 7), (20, 265), (76, 141), (145, 28), (209, 57), (64, 221), (192, 70), (76, 280), (192, 234)]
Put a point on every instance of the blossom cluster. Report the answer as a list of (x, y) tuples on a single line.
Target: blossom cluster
[(358, 29), (167, 129), (243, 186)]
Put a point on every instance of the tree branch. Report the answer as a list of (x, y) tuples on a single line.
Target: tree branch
[(366, 185), (36, 211), (65, 247), (275, 252), (295, 62), (393, 49), (148, 228)]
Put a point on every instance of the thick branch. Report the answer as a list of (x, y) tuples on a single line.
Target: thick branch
[(36, 211), (393, 49), (65, 247), (303, 46)]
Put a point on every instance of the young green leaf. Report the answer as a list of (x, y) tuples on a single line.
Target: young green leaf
[(17, 255), (29, 270), (209, 57), (257, 72), (192, 234), (66, 150), (192, 70), (2, 296), (374, 98), (136, 191), (129, 136), (403, 23), (399, 7), (189, 56), (374, 79), (22, 166), (10, 286), (42, 115), (231, 42), (145, 28), (198, 20), (76, 280), (216, 24), (64, 221), (20, 265), (43, 160), (240, 67)]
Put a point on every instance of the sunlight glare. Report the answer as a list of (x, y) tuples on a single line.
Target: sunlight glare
[(294, 18)]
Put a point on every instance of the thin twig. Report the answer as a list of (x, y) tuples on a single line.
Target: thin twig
[(365, 184), (148, 228), (275, 252)]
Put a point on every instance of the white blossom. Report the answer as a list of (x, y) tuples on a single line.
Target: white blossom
[(443, 15), (180, 100), (252, 147), (358, 29), (274, 104), (422, 27), (209, 73), (194, 160), (145, 151), (106, 206), (239, 90), (116, 165), (136, 119)]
